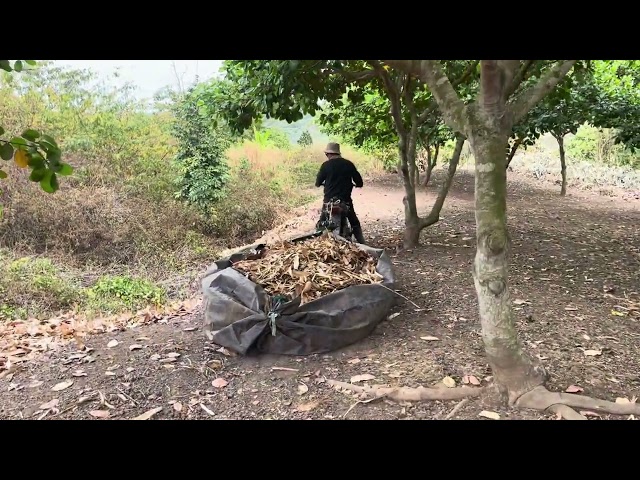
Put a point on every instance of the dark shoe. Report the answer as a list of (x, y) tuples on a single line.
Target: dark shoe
[(357, 232)]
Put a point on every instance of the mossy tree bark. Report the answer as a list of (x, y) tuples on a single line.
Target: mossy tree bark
[(487, 123)]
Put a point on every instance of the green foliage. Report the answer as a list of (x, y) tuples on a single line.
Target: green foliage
[(117, 293), (201, 153), (305, 139), (32, 149)]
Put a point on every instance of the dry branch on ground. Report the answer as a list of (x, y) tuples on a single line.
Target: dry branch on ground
[(310, 269)]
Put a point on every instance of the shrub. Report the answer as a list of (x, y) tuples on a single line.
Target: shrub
[(114, 294)]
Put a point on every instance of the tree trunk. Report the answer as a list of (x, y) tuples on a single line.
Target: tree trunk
[(514, 149), (514, 371), (434, 214), (432, 161), (408, 169), (563, 165)]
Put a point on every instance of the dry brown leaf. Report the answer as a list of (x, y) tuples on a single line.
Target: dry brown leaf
[(135, 346), (302, 389), (100, 413), (353, 361), (62, 385), (79, 373), (148, 414), (189, 329), (219, 383), (518, 301), (393, 315), (173, 354), (449, 382), (574, 389), (35, 384), (624, 400), (113, 343), (470, 379), (307, 407), (177, 407), (592, 353), (209, 412), (489, 414), (50, 404), (362, 378)]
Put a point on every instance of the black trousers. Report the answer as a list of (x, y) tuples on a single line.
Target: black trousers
[(354, 221)]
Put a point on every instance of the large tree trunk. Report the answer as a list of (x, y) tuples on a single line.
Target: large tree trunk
[(563, 165), (514, 371)]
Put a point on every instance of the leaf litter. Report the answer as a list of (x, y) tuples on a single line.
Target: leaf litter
[(310, 269)]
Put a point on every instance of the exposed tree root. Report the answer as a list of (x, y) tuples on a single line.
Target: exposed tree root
[(539, 399), (405, 394), (542, 399)]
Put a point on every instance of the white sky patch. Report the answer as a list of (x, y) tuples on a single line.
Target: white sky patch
[(149, 76)]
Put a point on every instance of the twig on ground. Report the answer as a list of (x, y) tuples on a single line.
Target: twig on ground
[(358, 402), (456, 408), (400, 295)]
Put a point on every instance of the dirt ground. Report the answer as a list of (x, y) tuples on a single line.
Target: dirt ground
[(575, 276)]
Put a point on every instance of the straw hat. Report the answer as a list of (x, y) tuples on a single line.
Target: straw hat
[(332, 148)]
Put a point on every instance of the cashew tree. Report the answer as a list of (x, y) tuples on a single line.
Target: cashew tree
[(32, 149), (504, 98), (288, 89)]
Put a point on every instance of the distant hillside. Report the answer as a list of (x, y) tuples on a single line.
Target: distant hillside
[(294, 130)]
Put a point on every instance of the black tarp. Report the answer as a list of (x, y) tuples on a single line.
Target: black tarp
[(236, 317)]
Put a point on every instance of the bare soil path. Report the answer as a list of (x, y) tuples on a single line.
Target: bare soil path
[(575, 279)]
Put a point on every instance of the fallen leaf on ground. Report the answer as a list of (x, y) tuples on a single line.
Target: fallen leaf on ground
[(62, 385), (50, 404), (148, 414), (354, 361), (79, 373), (35, 384), (472, 379), (362, 378), (307, 407), (592, 353), (489, 414), (100, 413), (206, 410), (135, 346), (617, 313), (574, 389), (189, 329), (219, 383), (393, 315), (429, 339), (173, 355), (624, 400), (449, 382), (285, 369), (571, 309), (112, 343), (177, 407), (518, 301), (302, 389)]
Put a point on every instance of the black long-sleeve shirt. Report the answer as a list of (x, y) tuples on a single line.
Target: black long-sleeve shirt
[(338, 175)]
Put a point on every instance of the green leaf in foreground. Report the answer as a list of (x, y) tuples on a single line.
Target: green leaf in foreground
[(49, 182), (6, 151), (3, 174), (65, 169), (30, 134), (38, 174)]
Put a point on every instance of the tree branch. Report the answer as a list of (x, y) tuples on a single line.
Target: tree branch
[(518, 78), (530, 97), (432, 73)]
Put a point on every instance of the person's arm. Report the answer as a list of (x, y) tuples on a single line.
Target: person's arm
[(357, 178), (322, 175)]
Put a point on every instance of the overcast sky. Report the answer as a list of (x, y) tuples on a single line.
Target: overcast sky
[(150, 75)]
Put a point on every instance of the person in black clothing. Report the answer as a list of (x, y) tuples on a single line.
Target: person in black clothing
[(338, 175)]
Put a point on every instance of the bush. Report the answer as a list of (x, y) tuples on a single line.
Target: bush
[(201, 154), (30, 286), (113, 294)]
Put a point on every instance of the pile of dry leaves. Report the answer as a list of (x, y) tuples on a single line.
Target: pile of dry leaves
[(23, 340), (310, 269)]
